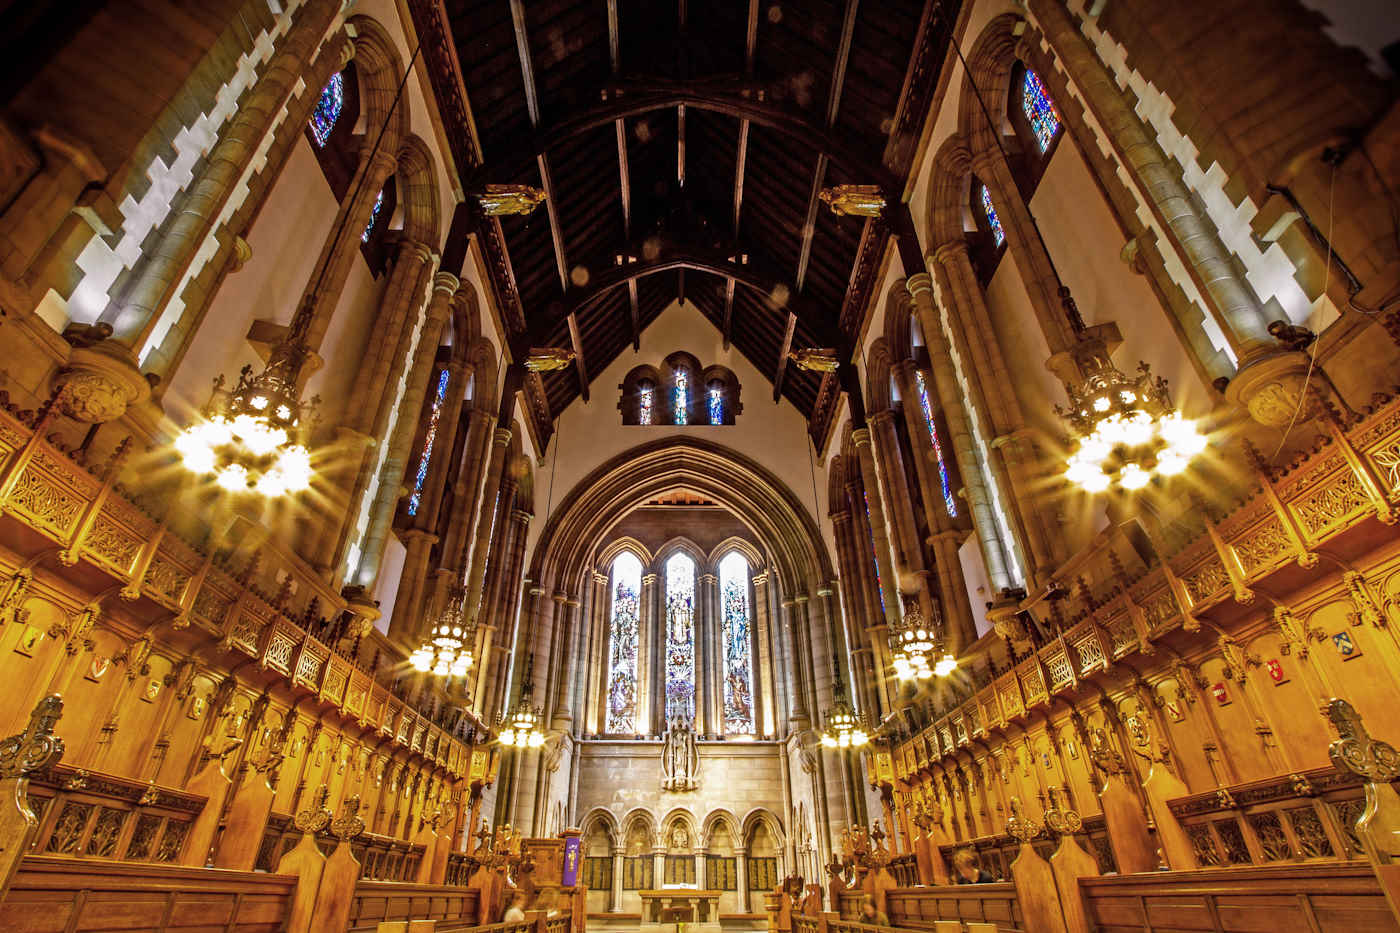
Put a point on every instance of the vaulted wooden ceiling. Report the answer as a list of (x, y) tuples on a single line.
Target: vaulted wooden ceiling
[(682, 147)]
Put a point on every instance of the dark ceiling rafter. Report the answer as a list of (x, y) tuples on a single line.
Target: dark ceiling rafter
[(822, 325), (532, 105), (623, 172), (809, 226), (741, 156), (633, 99)]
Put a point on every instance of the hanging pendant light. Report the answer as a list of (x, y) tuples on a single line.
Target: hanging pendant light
[(916, 645), (844, 727), (1126, 429), (447, 650), (520, 728)]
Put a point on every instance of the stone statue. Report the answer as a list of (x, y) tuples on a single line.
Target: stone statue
[(680, 760)]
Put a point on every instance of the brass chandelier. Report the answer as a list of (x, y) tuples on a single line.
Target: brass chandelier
[(1126, 429), (520, 728), (916, 649), (447, 649), (845, 728)]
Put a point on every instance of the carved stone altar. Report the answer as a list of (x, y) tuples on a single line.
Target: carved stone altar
[(664, 909)]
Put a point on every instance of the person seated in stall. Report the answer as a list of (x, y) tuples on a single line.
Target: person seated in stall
[(870, 914), (515, 910), (967, 870)]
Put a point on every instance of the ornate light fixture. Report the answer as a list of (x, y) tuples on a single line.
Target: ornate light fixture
[(520, 728), (252, 439), (548, 359), (845, 728), (447, 651), (1126, 428), (854, 200), (816, 360), (500, 200), (915, 646)]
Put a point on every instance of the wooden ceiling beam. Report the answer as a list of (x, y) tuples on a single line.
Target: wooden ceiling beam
[(783, 357), (809, 226), (633, 100), (821, 324), (740, 158), (556, 233), (624, 172)]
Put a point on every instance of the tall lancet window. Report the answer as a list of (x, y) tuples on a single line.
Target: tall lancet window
[(680, 639), (948, 501), (681, 399), (644, 400), (622, 645), (429, 437), (874, 552), (1039, 109), (328, 107), (738, 659), (373, 216), (990, 213)]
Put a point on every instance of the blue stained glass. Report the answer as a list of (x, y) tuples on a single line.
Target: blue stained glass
[(948, 501), (373, 216), (644, 400), (738, 666), (328, 108), (428, 438), (874, 552), (622, 645), (998, 234), (681, 399), (1039, 109), (716, 400), (680, 639)]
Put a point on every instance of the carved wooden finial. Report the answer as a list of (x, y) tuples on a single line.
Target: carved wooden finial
[(1018, 827), (348, 825), (1060, 819), (36, 748), (314, 819), (1355, 750)]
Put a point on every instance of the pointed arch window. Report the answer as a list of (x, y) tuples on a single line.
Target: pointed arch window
[(644, 403), (714, 402), (429, 437), (680, 396), (738, 658), (680, 639), (1039, 108), (949, 502), (989, 214), (624, 630), (328, 109)]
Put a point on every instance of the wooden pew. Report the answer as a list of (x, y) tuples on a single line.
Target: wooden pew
[(919, 908), (1333, 897), (53, 894), (379, 901)]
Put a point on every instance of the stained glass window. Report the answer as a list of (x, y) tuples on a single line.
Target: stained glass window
[(373, 216), (738, 666), (948, 500), (644, 404), (681, 399), (428, 438), (328, 109), (622, 645), (998, 234), (715, 400), (680, 638), (874, 552), (1039, 109)]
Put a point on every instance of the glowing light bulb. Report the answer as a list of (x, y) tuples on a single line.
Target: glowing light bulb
[(1095, 482), (234, 478), (945, 666), (828, 741), (1133, 476)]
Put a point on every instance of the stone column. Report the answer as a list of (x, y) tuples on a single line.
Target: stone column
[(979, 499), (562, 661), (773, 688), (875, 505), (741, 878), (651, 627), (507, 619), (1233, 303), (801, 679), (594, 707), (890, 463), (615, 897), (486, 520), (709, 662), (658, 866), (163, 264), (392, 473)]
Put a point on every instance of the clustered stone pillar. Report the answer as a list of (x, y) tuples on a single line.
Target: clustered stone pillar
[(989, 536), (709, 669), (909, 551), (594, 704), (768, 642), (648, 654), (615, 896)]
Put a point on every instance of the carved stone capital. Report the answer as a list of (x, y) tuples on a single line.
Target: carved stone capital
[(100, 382), (1272, 390)]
